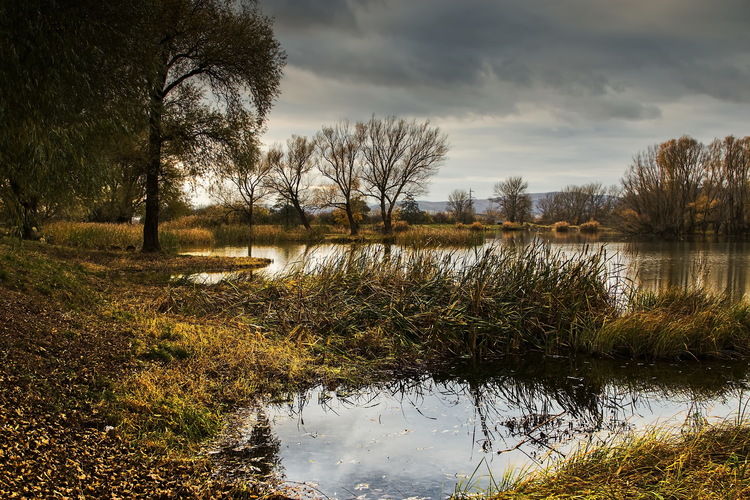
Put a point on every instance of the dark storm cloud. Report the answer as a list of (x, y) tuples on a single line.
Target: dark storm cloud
[(488, 55), (562, 91)]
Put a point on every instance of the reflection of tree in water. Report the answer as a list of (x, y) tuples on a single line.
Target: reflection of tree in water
[(535, 405), (248, 450)]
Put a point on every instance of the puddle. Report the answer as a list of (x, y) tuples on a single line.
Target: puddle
[(426, 437)]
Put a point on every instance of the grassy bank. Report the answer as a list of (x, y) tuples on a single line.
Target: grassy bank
[(707, 462), (197, 231)]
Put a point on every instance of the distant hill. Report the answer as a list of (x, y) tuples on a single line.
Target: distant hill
[(480, 206)]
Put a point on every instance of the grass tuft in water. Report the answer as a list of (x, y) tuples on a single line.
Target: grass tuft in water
[(677, 323), (428, 236), (710, 461)]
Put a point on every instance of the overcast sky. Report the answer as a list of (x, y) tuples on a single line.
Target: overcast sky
[(558, 91)]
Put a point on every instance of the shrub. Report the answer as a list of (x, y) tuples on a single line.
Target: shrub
[(476, 226), (511, 226), (561, 226), (400, 226), (591, 226)]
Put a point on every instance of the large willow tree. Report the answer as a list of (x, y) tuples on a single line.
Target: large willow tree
[(207, 62), (64, 88)]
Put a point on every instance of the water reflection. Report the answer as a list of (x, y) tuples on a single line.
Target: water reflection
[(421, 437)]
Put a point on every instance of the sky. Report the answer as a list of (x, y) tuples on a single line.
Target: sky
[(559, 92)]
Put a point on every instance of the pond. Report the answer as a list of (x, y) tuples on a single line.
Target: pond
[(464, 429)]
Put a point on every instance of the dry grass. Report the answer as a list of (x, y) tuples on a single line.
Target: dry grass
[(511, 226), (101, 236), (591, 226), (243, 234), (677, 323), (426, 236), (709, 462)]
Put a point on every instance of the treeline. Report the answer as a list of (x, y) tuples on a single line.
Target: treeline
[(385, 160), (675, 188), (682, 186)]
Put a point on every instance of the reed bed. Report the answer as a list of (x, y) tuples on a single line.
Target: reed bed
[(678, 323), (242, 234), (591, 226), (420, 236), (707, 461), (107, 236), (94, 235), (192, 236), (511, 226), (496, 301)]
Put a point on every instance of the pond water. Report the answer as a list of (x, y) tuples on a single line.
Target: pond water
[(425, 437), (720, 264)]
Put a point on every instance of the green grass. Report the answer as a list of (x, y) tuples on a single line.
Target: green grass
[(29, 270)]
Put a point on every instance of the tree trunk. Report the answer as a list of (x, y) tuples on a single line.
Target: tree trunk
[(302, 215), (29, 223), (153, 171), (353, 224), (386, 216)]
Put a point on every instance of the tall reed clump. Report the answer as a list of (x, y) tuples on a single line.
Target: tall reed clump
[(107, 236), (421, 236), (243, 234), (492, 302), (591, 226), (94, 235), (705, 462), (678, 323), (188, 232)]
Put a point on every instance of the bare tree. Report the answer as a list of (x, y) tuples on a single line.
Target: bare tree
[(292, 177), (399, 158), (662, 188), (729, 164), (514, 203), (244, 175), (339, 150), (683, 163), (578, 204), (461, 206)]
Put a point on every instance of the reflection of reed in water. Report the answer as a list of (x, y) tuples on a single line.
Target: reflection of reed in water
[(537, 406)]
